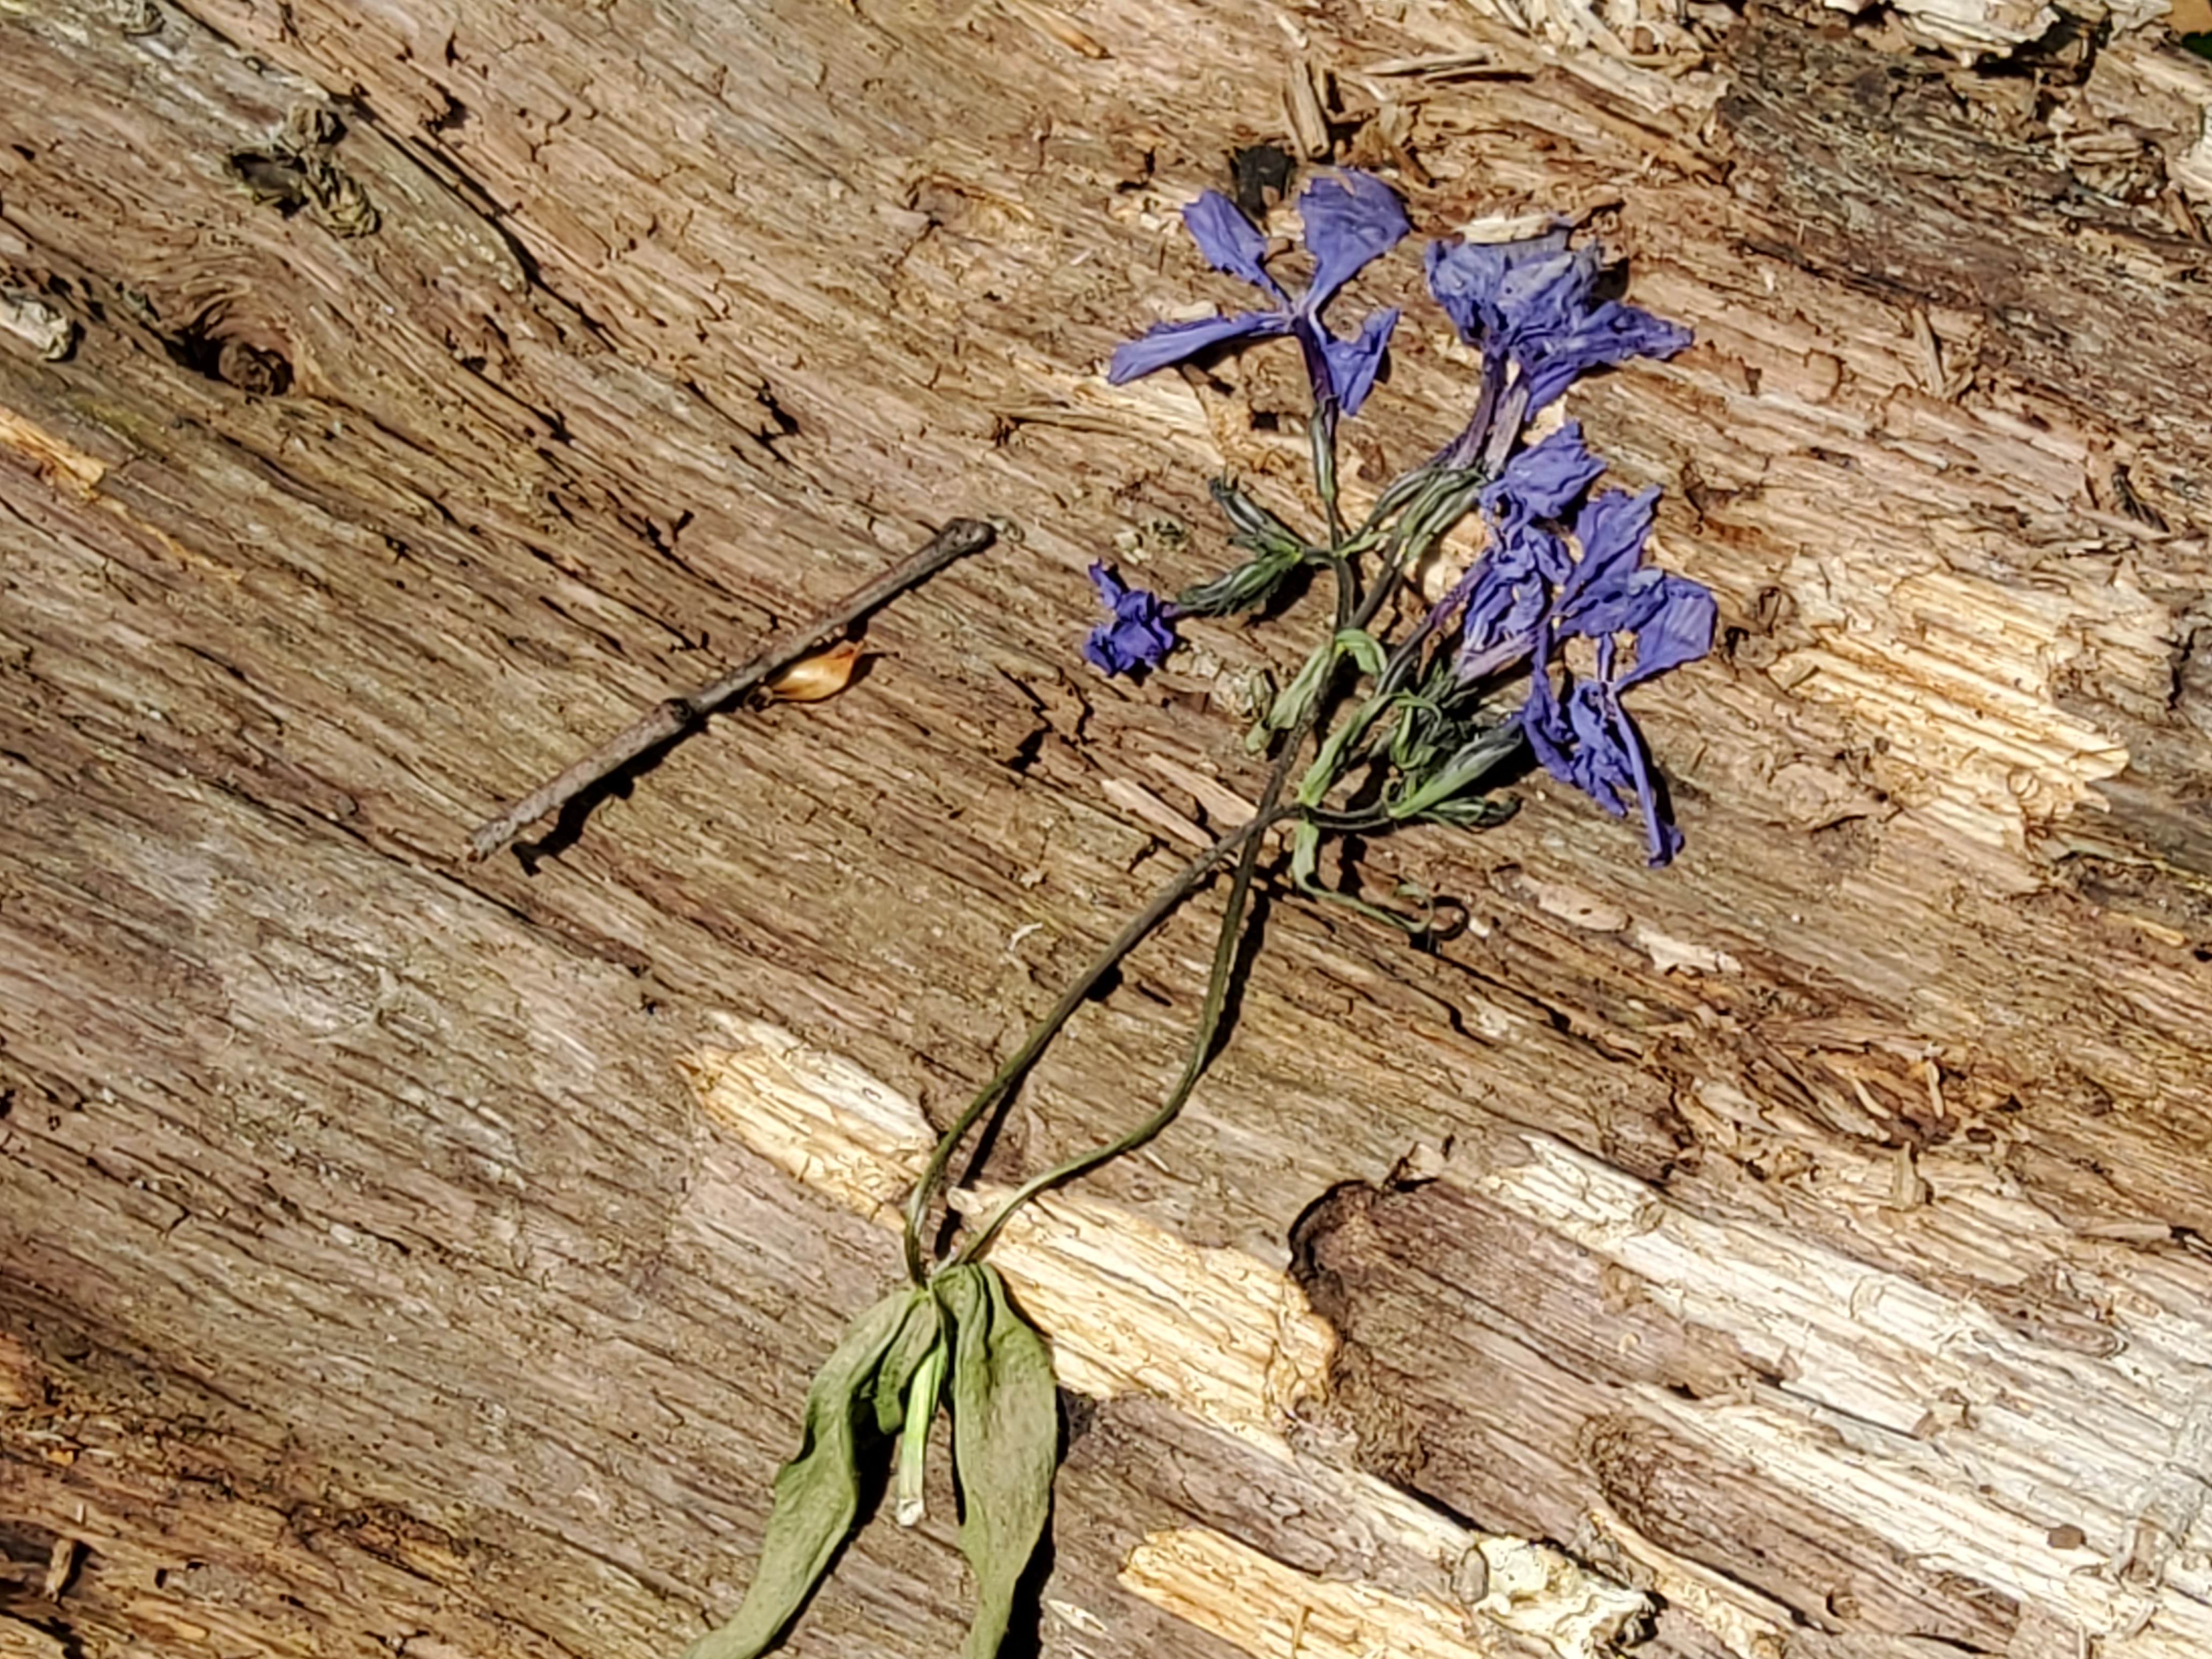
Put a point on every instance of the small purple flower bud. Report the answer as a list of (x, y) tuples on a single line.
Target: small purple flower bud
[(1140, 632)]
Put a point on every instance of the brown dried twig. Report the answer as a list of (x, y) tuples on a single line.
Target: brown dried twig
[(673, 717)]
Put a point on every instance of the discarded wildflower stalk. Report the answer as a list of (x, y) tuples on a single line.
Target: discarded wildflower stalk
[(675, 716), (1371, 733)]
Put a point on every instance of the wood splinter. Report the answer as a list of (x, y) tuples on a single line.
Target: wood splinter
[(674, 716)]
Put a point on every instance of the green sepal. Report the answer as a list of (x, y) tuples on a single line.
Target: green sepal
[(1005, 1442), (1442, 502), (1424, 797), (1255, 527), (818, 1493), (1472, 811), (1277, 551), (1243, 588)]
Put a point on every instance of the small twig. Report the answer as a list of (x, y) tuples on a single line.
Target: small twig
[(672, 718)]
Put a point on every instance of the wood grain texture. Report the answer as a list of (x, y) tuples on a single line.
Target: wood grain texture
[(444, 385)]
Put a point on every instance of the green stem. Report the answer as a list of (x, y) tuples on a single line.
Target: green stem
[(1176, 889), (1406, 550), (1209, 1019), (922, 1394), (1422, 525), (1321, 433)]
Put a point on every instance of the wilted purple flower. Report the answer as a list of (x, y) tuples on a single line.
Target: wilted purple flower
[(1542, 481), (1531, 304), (1589, 740), (1350, 217), (1479, 284), (1140, 632), (1507, 593), (1592, 743)]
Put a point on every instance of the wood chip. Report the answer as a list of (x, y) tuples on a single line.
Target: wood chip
[(1440, 66), (1056, 26), (1302, 105), (61, 1563)]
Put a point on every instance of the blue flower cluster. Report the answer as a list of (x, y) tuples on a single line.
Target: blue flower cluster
[(1528, 595), (1561, 563)]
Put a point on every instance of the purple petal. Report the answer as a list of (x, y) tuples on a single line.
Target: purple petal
[(1543, 295), (1544, 724), (1612, 528), (1542, 480), (1592, 743), (1661, 840), (1165, 344), (1679, 630), (1138, 635), (1353, 364), (1351, 218), (1230, 241), (1463, 276), (1503, 652), (1468, 279), (1603, 768), (1621, 606), (1507, 596), (1613, 525), (1612, 334), (1504, 621)]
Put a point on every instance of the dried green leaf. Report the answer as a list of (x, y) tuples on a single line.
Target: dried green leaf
[(921, 1335), (1005, 1442), (1362, 648), (818, 1493)]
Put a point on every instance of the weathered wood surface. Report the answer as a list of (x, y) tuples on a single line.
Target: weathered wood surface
[(402, 1256)]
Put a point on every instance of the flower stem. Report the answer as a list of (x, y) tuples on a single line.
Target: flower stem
[(1209, 1019), (1320, 434), (1171, 893)]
